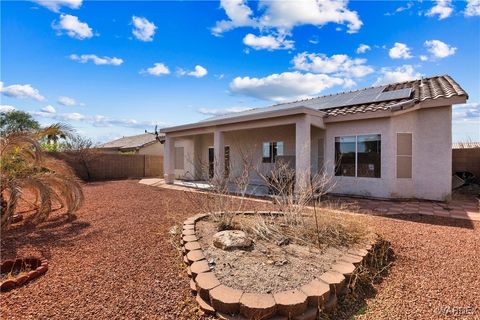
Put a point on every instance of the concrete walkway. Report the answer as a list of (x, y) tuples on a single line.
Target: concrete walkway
[(468, 209)]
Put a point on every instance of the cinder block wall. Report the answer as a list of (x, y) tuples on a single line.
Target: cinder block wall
[(467, 159), (114, 166)]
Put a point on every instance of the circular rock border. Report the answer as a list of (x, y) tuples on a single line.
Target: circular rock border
[(301, 303), (40, 267)]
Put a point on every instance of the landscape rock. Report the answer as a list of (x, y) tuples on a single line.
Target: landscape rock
[(231, 240)]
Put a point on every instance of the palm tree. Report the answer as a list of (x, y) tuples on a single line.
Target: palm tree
[(26, 169)]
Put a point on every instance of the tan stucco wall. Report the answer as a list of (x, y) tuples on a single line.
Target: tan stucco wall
[(154, 149), (431, 171)]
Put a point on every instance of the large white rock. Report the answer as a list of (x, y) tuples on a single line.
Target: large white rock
[(231, 240)]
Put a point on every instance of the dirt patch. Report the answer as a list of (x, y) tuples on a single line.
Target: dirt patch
[(267, 267)]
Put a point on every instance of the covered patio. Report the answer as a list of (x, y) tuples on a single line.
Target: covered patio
[(220, 146)]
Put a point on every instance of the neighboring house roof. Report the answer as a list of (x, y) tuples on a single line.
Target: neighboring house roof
[(395, 96), (132, 142), (466, 145)]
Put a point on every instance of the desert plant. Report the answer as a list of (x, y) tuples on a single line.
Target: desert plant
[(84, 150), (227, 190), (302, 217), (26, 169)]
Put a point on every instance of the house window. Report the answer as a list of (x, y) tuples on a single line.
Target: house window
[(358, 156), (404, 155), (345, 156), (271, 150)]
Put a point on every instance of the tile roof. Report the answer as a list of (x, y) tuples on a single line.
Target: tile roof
[(430, 88), (384, 97), (131, 142)]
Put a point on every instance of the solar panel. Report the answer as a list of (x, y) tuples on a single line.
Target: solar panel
[(395, 94), (357, 97), (369, 95)]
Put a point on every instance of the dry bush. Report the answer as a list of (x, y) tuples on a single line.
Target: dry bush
[(329, 228), (226, 194), (301, 219), (27, 170)]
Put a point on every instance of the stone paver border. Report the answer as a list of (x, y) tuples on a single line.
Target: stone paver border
[(302, 303), (41, 266)]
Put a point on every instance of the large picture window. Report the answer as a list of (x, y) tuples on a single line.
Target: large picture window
[(271, 150), (358, 156)]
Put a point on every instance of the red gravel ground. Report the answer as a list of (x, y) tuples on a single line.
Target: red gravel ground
[(117, 261)]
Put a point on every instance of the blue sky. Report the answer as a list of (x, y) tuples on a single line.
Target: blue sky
[(114, 68)]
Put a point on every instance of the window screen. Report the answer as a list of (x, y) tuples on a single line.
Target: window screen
[(179, 155), (404, 155)]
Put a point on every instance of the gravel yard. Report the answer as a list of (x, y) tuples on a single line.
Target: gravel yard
[(116, 261)]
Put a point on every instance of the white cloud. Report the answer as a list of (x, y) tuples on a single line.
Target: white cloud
[(423, 58), (285, 15), (158, 69), (84, 58), (199, 72), (401, 9), (338, 64), (473, 8), (467, 112), (439, 49), (56, 5), (443, 9), (400, 74), (21, 91), (221, 112), (267, 42), (96, 120), (239, 14), (400, 51), (7, 108), (73, 27), (66, 101), (48, 109), (362, 48), (143, 29), (284, 86)]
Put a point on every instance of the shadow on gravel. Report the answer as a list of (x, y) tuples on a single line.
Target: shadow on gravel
[(59, 231), (435, 220)]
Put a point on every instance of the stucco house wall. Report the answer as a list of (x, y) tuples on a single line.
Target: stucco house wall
[(154, 149), (431, 155)]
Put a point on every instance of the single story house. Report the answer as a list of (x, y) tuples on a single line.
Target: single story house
[(145, 143), (389, 141)]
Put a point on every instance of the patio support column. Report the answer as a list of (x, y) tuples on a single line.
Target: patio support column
[(169, 160), (302, 153), (219, 154)]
